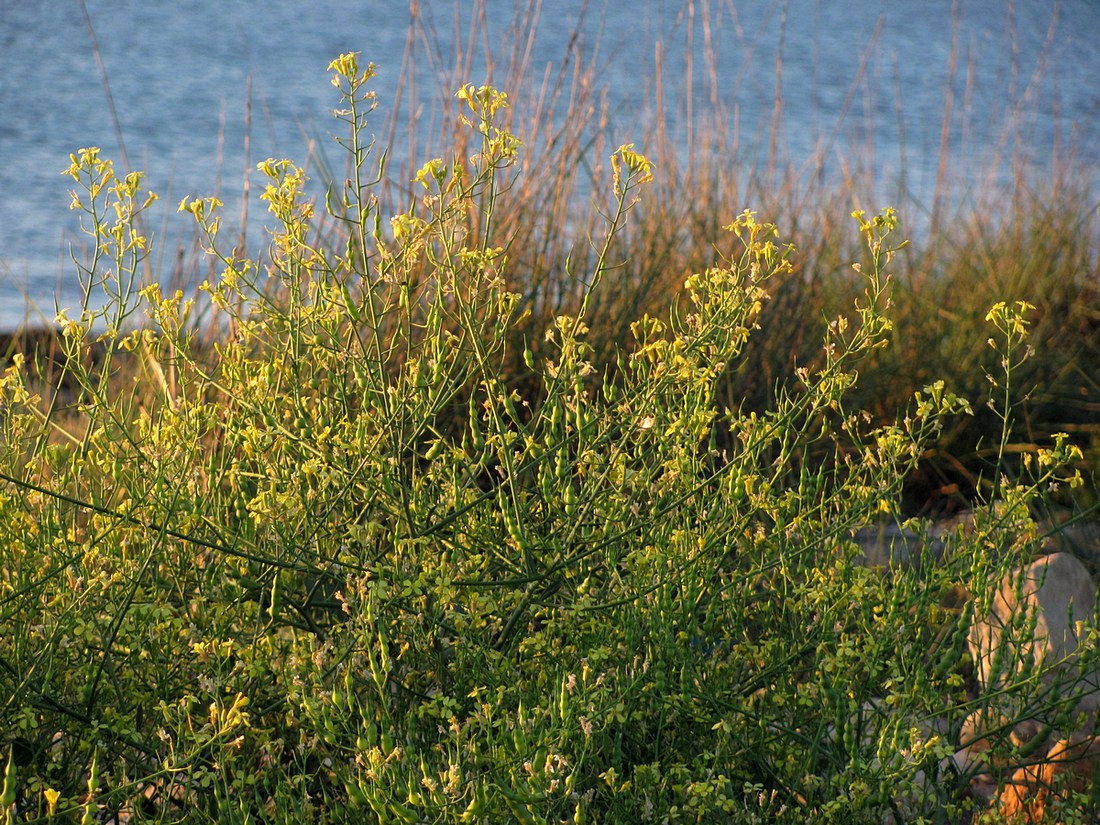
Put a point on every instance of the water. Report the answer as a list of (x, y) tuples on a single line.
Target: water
[(179, 76)]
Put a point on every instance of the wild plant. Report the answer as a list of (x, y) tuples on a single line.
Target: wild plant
[(344, 565)]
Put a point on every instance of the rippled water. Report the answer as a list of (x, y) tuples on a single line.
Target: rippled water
[(179, 76)]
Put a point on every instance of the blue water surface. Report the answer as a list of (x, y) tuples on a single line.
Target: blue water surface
[(853, 79)]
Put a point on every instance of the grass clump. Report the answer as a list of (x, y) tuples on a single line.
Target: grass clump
[(376, 555)]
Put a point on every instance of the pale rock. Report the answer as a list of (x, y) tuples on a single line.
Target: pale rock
[(1058, 595)]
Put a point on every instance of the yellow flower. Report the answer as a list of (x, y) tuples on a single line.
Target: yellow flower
[(51, 800), (432, 170), (638, 164)]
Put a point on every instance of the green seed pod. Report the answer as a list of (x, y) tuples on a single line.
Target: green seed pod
[(7, 794), (477, 438), (275, 603), (511, 520), (356, 797), (518, 806), (563, 467), (569, 496), (476, 807), (404, 813), (557, 415)]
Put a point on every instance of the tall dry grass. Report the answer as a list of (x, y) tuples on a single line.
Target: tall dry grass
[(1014, 235)]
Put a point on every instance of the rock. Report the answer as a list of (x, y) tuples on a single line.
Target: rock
[(1058, 596), (981, 731), (889, 545), (1070, 767), (1034, 625)]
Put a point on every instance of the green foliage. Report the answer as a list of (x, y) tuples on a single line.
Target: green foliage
[(344, 566)]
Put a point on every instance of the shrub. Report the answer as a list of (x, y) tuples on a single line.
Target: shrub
[(342, 565)]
